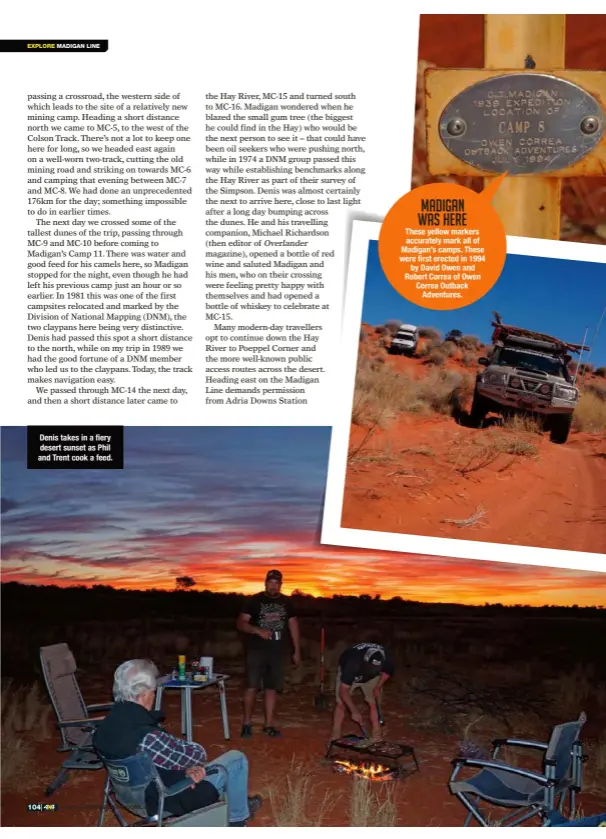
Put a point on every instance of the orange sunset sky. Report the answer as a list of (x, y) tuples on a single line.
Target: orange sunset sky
[(224, 505)]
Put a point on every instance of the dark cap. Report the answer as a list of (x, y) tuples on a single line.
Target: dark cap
[(374, 658), (274, 575)]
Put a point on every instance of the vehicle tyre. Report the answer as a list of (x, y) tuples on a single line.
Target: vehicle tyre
[(479, 409), (559, 427)]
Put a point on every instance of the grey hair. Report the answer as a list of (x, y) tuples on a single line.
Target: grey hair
[(134, 677)]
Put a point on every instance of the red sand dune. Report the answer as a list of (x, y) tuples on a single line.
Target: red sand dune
[(420, 470)]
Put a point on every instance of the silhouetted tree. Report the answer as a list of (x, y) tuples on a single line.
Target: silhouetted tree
[(184, 583)]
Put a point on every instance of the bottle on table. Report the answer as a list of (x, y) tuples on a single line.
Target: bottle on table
[(182, 675)]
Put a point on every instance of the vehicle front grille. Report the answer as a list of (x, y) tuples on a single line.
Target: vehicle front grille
[(528, 386)]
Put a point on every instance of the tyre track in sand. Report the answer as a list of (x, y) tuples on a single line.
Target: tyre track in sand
[(555, 500)]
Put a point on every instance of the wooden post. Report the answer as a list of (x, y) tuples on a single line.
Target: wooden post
[(527, 205), (528, 200)]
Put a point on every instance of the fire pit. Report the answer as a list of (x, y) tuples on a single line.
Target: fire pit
[(366, 769), (384, 761)]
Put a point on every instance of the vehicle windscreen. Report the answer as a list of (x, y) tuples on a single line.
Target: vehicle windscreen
[(529, 361), (408, 336)]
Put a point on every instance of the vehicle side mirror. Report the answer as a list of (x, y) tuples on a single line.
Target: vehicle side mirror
[(483, 361)]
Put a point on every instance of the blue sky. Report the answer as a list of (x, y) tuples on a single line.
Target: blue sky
[(558, 296), (182, 492)]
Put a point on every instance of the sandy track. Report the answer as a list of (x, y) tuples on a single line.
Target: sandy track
[(421, 472)]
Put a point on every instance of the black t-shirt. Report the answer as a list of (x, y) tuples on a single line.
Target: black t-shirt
[(268, 613), (354, 664)]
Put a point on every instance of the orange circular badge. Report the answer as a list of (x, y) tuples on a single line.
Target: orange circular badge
[(443, 246)]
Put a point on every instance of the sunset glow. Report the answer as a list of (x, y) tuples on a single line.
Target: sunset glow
[(223, 506)]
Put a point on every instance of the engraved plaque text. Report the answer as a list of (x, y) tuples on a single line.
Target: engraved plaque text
[(522, 123)]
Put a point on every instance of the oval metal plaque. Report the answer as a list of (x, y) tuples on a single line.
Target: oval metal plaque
[(522, 123)]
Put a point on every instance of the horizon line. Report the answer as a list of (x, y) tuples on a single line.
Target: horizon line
[(296, 592)]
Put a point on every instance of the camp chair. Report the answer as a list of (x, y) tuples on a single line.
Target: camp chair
[(73, 716), (530, 793), (129, 778), (556, 819)]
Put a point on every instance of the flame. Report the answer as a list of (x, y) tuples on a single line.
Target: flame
[(371, 771)]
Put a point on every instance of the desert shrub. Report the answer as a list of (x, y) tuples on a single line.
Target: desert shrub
[(468, 358), (573, 689), (381, 330), (372, 804), (449, 348), (437, 357), (601, 372), (443, 391), (392, 326), (16, 758), (590, 414), (25, 709), (426, 346), (485, 449), (598, 760), (523, 424), (517, 446), (596, 389), (470, 342), (430, 332), (586, 368), (25, 718), (382, 393), (291, 800), (379, 393)]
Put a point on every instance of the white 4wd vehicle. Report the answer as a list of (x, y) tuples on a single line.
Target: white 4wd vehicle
[(405, 340), (527, 372)]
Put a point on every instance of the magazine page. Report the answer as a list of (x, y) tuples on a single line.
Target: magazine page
[(180, 220), (267, 560)]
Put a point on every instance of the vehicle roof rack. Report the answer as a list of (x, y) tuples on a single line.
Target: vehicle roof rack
[(518, 336)]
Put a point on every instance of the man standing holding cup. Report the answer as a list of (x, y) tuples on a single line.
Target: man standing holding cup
[(264, 619)]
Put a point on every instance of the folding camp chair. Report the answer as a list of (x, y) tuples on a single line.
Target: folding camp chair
[(73, 715), (127, 782), (529, 793), (556, 819)]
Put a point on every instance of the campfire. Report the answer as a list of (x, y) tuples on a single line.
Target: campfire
[(365, 769)]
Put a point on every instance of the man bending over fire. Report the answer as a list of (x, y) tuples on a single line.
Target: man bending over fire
[(364, 666)]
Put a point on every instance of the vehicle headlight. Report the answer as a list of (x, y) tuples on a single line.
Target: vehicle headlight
[(544, 389), (496, 378), (515, 382), (565, 392)]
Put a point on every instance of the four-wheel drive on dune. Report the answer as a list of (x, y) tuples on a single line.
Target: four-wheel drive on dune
[(405, 340), (527, 372)]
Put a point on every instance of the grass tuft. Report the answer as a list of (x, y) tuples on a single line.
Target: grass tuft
[(372, 807), (293, 802)]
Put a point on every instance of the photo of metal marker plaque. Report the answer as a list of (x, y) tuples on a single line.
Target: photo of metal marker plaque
[(522, 123)]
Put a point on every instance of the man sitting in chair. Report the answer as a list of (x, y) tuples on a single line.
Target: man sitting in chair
[(364, 666), (132, 726)]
